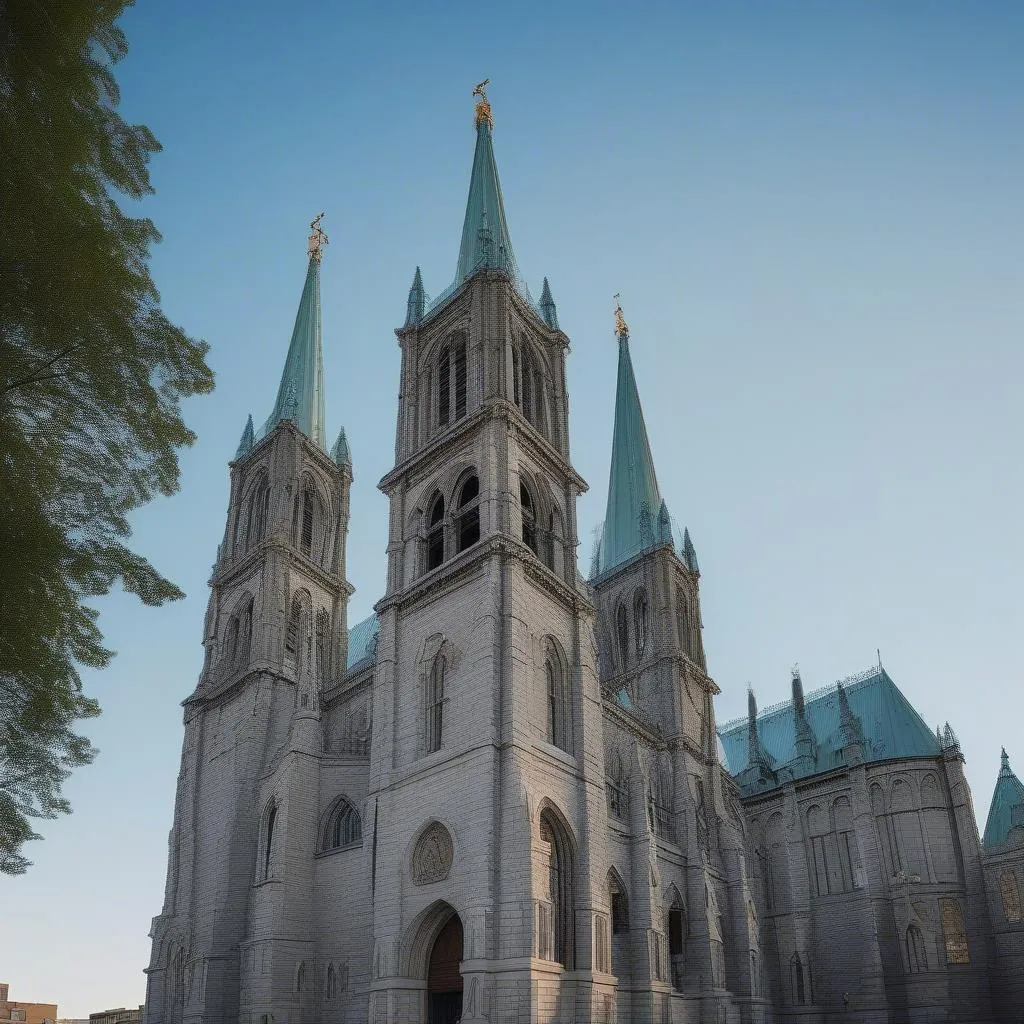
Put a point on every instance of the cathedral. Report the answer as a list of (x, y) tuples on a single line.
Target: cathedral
[(504, 797)]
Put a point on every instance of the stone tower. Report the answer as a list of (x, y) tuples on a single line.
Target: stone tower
[(275, 633), (689, 928), (486, 762)]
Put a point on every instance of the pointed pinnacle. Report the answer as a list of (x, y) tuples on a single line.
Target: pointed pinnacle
[(340, 452), (547, 306), (245, 444), (417, 301)]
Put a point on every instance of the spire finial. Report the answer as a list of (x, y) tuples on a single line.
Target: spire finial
[(1004, 761), (621, 327), (317, 240), (483, 107)]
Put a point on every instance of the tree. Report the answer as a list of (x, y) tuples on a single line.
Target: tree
[(92, 375)]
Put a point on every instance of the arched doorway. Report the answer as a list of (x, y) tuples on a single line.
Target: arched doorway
[(444, 979)]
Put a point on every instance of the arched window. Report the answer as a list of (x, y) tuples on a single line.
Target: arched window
[(468, 524), (1011, 896), (451, 381), (245, 640), (622, 635), (306, 520), (268, 841), (234, 629), (258, 513), (526, 389), (659, 814), (559, 708), (796, 970), (640, 623), (293, 635), (549, 542), (619, 902), (323, 641), (435, 533), (683, 620), (677, 942), (329, 988), (557, 928), (917, 954), (617, 785), (435, 704), (344, 827), (955, 932), (529, 514)]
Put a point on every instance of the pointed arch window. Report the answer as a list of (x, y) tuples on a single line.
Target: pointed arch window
[(677, 943), (234, 631), (796, 971), (306, 528), (557, 923), (559, 707), (468, 523), (1011, 896), (329, 988), (640, 623), (617, 783), (435, 704), (258, 513), (435, 534), (622, 636), (619, 902), (917, 953), (344, 827), (323, 639), (268, 842), (529, 514), (549, 542), (293, 635)]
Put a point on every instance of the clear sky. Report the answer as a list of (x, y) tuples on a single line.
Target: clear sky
[(813, 214)]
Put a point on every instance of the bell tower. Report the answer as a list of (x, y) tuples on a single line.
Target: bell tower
[(487, 728), (275, 637)]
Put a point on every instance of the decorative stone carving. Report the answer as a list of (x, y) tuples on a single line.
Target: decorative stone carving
[(432, 858)]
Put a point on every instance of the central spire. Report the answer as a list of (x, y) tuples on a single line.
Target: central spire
[(300, 395), (485, 238), (633, 520)]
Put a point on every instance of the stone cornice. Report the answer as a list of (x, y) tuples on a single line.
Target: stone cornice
[(235, 568)]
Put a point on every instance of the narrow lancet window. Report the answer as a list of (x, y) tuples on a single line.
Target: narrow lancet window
[(435, 534), (529, 518), (435, 704), (469, 513)]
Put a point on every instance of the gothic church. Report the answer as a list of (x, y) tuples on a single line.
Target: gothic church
[(504, 798)]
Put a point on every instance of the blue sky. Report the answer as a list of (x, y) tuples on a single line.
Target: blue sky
[(813, 214)]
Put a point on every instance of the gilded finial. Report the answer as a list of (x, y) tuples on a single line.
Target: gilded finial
[(483, 108), (621, 328), (317, 240)]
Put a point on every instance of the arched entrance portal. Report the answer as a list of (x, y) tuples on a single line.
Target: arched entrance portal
[(444, 979)]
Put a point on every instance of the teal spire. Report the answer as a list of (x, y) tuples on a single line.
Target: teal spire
[(1007, 809), (300, 396), (485, 238), (245, 445), (340, 452), (633, 496), (547, 306), (417, 301)]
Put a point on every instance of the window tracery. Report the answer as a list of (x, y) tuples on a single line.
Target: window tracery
[(344, 826)]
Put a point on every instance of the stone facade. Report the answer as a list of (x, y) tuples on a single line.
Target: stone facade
[(504, 799)]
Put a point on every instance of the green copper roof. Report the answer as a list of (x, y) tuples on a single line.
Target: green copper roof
[(868, 709), (1007, 808), (635, 518), (300, 396), (417, 301), (362, 641)]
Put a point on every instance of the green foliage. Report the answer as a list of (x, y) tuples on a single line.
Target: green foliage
[(92, 375)]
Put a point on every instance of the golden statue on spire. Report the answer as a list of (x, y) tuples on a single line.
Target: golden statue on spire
[(483, 108), (317, 240), (621, 328)]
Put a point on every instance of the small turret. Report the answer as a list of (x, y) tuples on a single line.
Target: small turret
[(1006, 812), (851, 730), (417, 301), (245, 444), (689, 552), (806, 747), (547, 306), (340, 452)]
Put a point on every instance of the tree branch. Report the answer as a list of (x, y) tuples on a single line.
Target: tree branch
[(34, 378)]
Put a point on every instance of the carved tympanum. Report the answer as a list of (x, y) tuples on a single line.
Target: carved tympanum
[(432, 858)]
